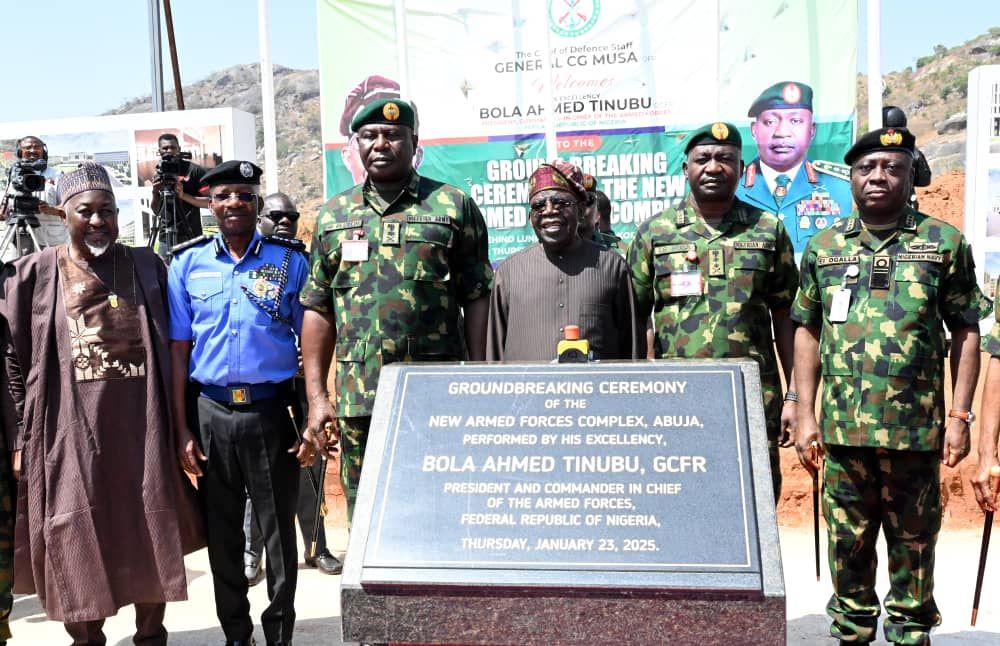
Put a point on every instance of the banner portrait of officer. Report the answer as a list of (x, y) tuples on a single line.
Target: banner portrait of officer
[(807, 195)]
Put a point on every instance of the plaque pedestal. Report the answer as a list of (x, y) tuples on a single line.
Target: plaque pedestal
[(566, 504)]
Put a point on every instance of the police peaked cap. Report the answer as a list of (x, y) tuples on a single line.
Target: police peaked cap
[(390, 111), (899, 139), (785, 95), (233, 171), (717, 133)]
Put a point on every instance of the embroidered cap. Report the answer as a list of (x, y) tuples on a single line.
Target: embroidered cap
[(89, 176), (558, 174)]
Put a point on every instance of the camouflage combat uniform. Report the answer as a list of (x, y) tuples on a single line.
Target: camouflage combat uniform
[(882, 417), (427, 257), (747, 271)]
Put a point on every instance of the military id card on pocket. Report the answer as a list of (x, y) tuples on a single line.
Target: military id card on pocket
[(685, 283), (840, 305), (354, 250)]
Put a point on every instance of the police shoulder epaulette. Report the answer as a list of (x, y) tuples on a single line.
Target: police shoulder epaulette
[(840, 171), (193, 242), (291, 243)]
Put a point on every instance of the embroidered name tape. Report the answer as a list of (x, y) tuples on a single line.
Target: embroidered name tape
[(659, 250), (920, 257), (763, 245), (823, 261), (340, 226)]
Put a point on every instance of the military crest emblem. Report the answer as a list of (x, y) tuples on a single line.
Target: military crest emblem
[(245, 170), (720, 131), (571, 18), (791, 93), (890, 138), (390, 111)]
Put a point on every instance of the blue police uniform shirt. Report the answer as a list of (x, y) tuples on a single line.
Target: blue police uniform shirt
[(243, 322), (808, 205)]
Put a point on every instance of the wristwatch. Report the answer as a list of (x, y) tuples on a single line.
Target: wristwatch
[(966, 416)]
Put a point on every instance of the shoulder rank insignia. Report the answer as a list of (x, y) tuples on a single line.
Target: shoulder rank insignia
[(291, 243), (841, 171), (750, 175), (193, 242)]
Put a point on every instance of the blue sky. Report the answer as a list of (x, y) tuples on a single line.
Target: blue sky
[(84, 58)]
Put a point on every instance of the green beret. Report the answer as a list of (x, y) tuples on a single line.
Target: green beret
[(899, 139), (714, 133), (786, 95), (391, 111)]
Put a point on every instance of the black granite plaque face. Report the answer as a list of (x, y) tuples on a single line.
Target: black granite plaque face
[(565, 476)]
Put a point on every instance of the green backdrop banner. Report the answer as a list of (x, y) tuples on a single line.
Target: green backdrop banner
[(620, 84)]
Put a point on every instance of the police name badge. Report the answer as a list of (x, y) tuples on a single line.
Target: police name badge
[(840, 305), (354, 250), (685, 283)]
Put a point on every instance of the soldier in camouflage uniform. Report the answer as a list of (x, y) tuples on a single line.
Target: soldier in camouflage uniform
[(716, 273), (876, 288), (991, 416), (393, 261)]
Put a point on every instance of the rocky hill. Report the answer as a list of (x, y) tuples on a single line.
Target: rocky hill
[(296, 105), (933, 95)]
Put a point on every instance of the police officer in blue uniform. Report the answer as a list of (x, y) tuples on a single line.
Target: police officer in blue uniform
[(806, 195), (234, 320)]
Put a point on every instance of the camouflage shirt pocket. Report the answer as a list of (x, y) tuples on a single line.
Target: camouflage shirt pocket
[(667, 260), (829, 279), (348, 276), (910, 394), (427, 250), (917, 284), (750, 270), (839, 388)]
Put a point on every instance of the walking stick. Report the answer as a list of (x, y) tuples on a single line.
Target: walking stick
[(987, 529), (320, 509), (814, 448), (298, 434)]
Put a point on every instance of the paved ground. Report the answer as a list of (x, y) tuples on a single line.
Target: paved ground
[(193, 622)]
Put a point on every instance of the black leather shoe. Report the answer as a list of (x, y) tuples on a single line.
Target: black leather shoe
[(326, 563), (279, 643), (241, 642)]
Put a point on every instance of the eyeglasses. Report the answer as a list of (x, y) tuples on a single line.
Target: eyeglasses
[(558, 204), (242, 197), (278, 216)]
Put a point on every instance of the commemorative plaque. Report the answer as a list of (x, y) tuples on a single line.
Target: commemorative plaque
[(495, 493)]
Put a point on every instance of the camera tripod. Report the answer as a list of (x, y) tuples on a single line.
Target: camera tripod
[(164, 227), (20, 232)]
